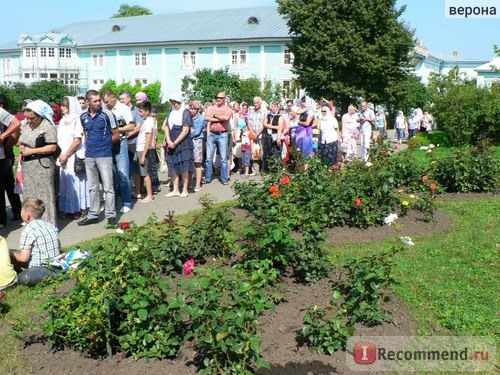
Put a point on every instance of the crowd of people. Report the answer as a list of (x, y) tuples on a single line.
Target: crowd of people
[(103, 147)]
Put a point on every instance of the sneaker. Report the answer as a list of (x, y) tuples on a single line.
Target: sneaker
[(111, 220), (224, 182), (184, 195), (88, 221), (172, 194), (126, 209)]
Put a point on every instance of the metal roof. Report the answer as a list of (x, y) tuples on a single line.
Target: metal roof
[(197, 26)]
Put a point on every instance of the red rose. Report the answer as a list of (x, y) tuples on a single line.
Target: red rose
[(357, 202), (432, 186), (276, 194), (396, 147), (383, 152), (333, 167), (274, 189), (285, 180), (124, 226), (425, 178)]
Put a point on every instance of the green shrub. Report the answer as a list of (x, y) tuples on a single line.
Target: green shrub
[(468, 169)]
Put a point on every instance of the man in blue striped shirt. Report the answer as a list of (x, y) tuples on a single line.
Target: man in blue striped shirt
[(101, 131)]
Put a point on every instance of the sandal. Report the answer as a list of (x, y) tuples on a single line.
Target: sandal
[(147, 200), (138, 196)]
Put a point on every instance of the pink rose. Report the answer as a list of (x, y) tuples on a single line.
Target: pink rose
[(189, 266)]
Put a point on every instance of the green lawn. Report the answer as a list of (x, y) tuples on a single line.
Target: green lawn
[(450, 281)]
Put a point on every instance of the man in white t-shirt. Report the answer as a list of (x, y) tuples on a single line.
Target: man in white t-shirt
[(121, 165)]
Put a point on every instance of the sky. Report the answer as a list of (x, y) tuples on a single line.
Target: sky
[(470, 37)]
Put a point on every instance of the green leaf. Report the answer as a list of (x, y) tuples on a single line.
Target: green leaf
[(143, 314)]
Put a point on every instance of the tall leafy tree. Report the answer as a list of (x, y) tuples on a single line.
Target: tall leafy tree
[(205, 83), (347, 49), (126, 10)]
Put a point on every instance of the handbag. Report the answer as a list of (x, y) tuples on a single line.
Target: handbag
[(79, 165)]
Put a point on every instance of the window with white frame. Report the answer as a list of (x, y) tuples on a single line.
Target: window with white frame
[(141, 59), (287, 57), (238, 57), (98, 61), (142, 81), (6, 65), (43, 51), (52, 52), (188, 59), (30, 52), (65, 53), (286, 88), (98, 82)]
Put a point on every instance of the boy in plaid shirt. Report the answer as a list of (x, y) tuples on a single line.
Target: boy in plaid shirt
[(38, 245)]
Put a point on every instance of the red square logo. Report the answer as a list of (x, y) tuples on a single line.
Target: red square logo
[(365, 353)]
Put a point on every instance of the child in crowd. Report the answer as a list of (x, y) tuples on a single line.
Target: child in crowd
[(39, 244), (246, 149), (144, 140)]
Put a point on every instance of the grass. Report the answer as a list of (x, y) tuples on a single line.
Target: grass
[(449, 281), (452, 280)]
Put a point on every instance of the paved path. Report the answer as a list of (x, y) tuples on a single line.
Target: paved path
[(71, 233)]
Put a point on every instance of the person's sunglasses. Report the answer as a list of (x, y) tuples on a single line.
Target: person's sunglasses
[(220, 97)]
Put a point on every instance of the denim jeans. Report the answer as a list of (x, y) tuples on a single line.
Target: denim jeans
[(121, 174), (412, 133), (219, 141), (103, 167)]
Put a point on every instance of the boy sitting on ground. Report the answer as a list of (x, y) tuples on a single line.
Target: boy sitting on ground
[(39, 244)]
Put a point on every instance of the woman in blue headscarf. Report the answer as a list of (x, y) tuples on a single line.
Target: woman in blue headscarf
[(38, 143)]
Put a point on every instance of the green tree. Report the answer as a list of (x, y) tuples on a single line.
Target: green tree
[(153, 90), (466, 112), (205, 83), (413, 94), (131, 11), (271, 91), (347, 49), (249, 88)]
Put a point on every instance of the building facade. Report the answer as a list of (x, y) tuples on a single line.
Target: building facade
[(251, 42)]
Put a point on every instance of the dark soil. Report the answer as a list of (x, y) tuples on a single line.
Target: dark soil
[(279, 328)]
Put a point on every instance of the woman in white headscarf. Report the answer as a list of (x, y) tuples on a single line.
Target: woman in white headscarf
[(180, 156), (73, 190), (38, 143)]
